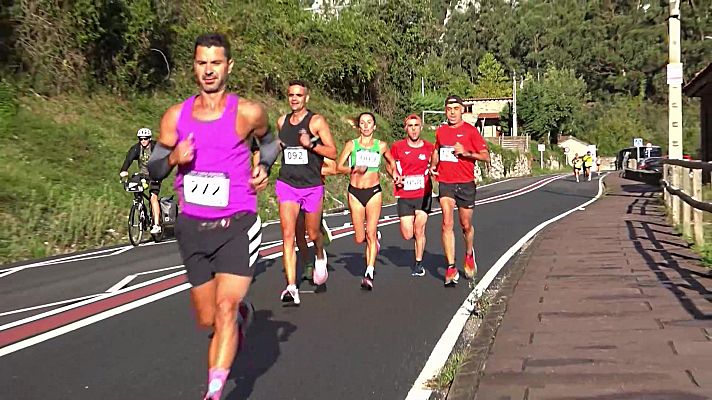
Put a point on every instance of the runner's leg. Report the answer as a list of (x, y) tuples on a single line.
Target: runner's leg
[(448, 235), (421, 218), (288, 213)]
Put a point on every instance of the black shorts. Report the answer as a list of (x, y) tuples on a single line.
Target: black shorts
[(463, 193), (408, 207), (154, 187), (364, 195), (229, 245)]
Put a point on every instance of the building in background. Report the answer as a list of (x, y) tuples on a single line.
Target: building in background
[(701, 86), (484, 114), (573, 146)]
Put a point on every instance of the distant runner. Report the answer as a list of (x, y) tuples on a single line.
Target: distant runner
[(412, 156), (577, 163), (587, 164)]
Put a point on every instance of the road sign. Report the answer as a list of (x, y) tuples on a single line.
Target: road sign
[(674, 74), (566, 150), (638, 142), (541, 147)]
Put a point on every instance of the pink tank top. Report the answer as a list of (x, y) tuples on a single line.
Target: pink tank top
[(216, 184)]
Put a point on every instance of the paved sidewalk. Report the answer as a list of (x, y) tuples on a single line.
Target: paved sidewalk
[(605, 304)]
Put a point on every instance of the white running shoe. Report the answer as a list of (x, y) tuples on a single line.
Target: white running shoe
[(155, 229), (290, 295), (321, 273)]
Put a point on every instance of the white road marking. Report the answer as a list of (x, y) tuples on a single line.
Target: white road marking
[(149, 299), (120, 284), (58, 303), (447, 341)]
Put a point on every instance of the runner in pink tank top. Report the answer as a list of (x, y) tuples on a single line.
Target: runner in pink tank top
[(208, 137)]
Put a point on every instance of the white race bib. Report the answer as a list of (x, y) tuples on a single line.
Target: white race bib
[(295, 156), (368, 159), (413, 182), (206, 189), (447, 154)]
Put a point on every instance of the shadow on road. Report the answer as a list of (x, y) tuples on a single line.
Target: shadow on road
[(261, 352), (663, 256)]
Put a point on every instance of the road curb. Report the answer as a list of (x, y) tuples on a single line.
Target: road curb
[(467, 379)]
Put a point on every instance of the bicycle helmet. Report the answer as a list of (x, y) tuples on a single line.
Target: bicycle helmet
[(144, 133)]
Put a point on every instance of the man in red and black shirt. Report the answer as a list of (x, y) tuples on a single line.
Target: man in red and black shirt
[(457, 146), (414, 193)]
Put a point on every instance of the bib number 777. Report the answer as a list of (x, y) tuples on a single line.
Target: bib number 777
[(210, 190)]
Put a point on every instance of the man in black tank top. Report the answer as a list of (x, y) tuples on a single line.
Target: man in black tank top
[(306, 140)]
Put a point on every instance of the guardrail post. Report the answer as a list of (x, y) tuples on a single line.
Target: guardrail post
[(676, 170), (686, 208), (666, 178), (697, 214)]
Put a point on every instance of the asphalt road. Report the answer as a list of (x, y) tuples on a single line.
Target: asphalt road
[(123, 327)]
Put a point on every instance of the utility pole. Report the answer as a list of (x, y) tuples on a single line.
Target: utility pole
[(674, 80), (514, 105)]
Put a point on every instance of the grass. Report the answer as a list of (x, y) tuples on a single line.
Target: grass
[(59, 187), (444, 378)]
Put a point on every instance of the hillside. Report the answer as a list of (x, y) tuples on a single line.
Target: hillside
[(61, 158)]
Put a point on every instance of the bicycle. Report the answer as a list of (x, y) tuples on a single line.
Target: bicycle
[(139, 217)]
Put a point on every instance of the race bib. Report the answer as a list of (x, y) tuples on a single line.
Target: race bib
[(368, 159), (206, 189), (447, 154), (295, 156), (414, 182)]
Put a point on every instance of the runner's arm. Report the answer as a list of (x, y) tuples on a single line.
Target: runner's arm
[(320, 127), (259, 127), (479, 146), (131, 156), (341, 168), (390, 161), (162, 158), (328, 168), (434, 161)]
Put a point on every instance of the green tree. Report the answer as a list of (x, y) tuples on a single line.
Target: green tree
[(552, 106), (491, 79)]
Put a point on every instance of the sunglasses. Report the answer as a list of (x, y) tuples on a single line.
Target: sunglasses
[(144, 138)]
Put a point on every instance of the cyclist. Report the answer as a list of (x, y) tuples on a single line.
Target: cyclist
[(141, 152)]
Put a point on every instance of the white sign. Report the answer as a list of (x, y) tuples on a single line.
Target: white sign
[(566, 150), (413, 182), (366, 158), (638, 142), (447, 154), (206, 189), (295, 156), (541, 147), (674, 74)]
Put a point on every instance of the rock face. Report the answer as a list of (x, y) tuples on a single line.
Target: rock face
[(499, 168)]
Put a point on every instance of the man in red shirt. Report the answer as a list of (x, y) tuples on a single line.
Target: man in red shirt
[(457, 146), (414, 193)]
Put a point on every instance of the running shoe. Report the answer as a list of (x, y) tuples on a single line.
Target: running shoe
[(367, 283), (451, 276), (470, 265), (290, 295), (308, 274), (321, 273), (417, 270)]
